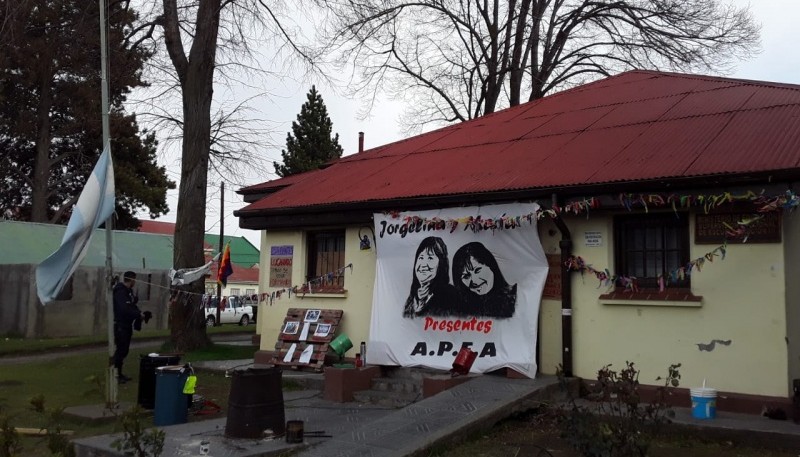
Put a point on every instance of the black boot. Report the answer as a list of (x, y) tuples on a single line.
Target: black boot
[(121, 378)]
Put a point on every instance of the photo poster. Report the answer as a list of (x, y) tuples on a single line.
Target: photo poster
[(438, 289), (290, 328), (322, 330)]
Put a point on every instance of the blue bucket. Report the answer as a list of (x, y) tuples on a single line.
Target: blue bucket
[(704, 402)]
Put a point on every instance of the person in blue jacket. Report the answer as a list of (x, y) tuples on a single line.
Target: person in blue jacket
[(127, 316)]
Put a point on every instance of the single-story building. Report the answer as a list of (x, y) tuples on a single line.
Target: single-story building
[(660, 203), (82, 307)]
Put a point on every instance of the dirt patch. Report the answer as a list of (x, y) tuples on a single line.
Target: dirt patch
[(535, 435)]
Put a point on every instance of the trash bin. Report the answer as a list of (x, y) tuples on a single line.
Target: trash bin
[(171, 403), (146, 396), (255, 404)]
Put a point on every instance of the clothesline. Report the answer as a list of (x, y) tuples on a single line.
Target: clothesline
[(306, 288)]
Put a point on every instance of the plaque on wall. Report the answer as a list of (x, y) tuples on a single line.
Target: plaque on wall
[(710, 228), (280, 266)]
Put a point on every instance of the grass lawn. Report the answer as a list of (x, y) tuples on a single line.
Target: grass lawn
[(67, 381), (19, 346)]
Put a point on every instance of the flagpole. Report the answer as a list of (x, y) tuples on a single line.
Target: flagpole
[(221, 238), (111, 372)]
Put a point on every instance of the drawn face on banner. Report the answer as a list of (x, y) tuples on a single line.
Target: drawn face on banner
[(478, 277), (479, 280), (463, 277), (426, 266)]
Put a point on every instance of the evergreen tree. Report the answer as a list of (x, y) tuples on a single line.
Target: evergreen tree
[(310, 143), (50, 117)]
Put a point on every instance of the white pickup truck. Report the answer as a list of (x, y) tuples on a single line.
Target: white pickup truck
[(234, 310)]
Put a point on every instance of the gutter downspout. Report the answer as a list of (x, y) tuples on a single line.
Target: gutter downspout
[(565, 246)]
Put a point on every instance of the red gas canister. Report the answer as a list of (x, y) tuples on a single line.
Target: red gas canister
[(463, 361)]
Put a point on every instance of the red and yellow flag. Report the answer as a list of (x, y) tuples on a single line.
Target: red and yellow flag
[(225, 266)]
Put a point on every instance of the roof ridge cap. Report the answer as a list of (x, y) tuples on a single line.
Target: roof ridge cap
[(739, 81)]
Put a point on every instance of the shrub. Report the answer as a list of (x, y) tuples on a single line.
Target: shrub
[(57, 442), (136, 440), (618, 423), (9, 438)]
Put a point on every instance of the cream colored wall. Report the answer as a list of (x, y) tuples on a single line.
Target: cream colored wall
[(357, 303), (743, 301), (791, 237), (550, 314)]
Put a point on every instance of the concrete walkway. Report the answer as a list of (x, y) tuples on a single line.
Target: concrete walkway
[(361, 430), (357, 429)]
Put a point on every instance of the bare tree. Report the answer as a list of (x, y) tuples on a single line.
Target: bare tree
[(461, 59), (208, 45)]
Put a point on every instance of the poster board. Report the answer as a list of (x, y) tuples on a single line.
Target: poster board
[(305, 336)]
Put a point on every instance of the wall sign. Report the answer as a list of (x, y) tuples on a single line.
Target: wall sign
[(710, 228), (593, 239), (280, 266)]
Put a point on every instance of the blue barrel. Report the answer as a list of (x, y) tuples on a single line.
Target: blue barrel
[(146, 393), (171, 405)]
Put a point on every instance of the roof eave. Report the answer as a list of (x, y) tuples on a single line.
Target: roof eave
[(349, 213)]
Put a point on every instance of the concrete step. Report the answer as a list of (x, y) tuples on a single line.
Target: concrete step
[(309, 382), (410, 373), (397, 385), (386, 398)]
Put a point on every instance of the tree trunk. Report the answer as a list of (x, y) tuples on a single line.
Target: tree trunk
[(196, 74), (187, 319), (41, 171), (519, 56)]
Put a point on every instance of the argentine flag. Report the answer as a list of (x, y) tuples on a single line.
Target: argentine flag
[(95, 205)]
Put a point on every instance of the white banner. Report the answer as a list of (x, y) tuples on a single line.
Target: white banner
[(458, 276)]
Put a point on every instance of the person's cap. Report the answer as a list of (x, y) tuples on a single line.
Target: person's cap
[(129, 275)]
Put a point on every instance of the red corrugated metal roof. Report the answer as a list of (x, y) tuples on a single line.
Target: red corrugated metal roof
[(240, 274), (163, 228), (635, 126), (276, 183)]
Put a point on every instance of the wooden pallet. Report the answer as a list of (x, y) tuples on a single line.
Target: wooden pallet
[(327, 317)]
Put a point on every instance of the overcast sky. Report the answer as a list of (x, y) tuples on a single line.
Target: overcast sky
[(777, 62)]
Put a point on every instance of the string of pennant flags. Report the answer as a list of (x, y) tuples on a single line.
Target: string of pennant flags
[(305, 288), (631, 284), (787, 200)]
